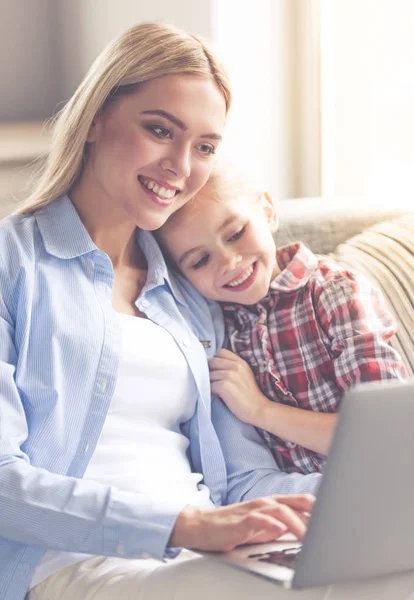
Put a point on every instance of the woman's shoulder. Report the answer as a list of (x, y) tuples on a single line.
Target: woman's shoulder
[(17, 238), (17, 225)]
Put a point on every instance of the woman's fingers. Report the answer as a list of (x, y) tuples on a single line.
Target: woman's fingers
[(266, 524), (293, 511), (291, 519), (259, 527), (300, 502), (254, 521)]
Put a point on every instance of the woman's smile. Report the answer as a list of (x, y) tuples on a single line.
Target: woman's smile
[(159, 192)]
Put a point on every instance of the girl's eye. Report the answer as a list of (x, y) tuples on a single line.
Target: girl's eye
[(237, 235), (160, 132), (206, 149), (202, 262)]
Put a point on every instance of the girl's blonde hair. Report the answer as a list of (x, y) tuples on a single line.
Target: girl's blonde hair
[(226, 182), (143, 52)]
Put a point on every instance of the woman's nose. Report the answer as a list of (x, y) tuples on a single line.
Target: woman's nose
[(178, 162)]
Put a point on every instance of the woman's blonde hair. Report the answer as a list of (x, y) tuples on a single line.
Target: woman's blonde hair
[(143, 52)]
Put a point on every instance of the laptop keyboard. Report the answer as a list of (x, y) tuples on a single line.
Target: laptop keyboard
[(284, 558)]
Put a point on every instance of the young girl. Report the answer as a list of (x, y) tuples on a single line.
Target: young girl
[(301, 329)]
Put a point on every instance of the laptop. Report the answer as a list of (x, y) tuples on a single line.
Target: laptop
[(362, 524)]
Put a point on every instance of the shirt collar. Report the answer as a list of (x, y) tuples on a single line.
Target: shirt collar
[(63, 233), (158, 272), (65, 236), (296, 263)]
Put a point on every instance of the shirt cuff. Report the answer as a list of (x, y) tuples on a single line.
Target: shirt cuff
[(139, 526)]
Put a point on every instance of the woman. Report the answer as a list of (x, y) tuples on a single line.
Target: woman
[(107, 446)]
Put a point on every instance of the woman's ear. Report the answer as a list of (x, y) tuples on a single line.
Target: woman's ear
[(270, 211)]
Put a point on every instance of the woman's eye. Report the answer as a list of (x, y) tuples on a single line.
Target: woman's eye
[(237, 235), (202, 262), (206, 149), (160, 132)]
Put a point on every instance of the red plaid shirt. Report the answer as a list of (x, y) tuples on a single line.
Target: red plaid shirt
[(320, 330)]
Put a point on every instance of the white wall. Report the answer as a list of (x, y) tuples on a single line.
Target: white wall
[(242, 36), (370, 124), (270, 48)]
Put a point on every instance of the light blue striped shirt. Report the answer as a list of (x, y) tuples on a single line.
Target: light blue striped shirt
[(59, 356)]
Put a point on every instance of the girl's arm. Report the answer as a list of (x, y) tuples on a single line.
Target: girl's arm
[(312, 430), (232, 379)]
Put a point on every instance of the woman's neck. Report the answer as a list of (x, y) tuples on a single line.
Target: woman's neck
[(108, 227)]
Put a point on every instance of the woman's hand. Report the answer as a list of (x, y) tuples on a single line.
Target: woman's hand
[(233, 381), (251, 522)]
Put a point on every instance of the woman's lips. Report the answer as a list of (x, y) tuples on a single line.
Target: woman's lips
[(155, 198)]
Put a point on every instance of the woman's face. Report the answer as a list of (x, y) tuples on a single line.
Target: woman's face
[(152, 150)]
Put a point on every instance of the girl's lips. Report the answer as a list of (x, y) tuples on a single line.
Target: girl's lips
[(246, 283)]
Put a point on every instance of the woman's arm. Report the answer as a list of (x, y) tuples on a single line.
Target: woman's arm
[(233, 381), (251, 469), (51, 510)]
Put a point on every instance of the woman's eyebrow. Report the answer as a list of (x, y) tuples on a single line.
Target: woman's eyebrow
[(179, 123), (166, 115)]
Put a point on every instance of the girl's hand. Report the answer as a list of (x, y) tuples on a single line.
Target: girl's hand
[(251, 522), (233, 381)]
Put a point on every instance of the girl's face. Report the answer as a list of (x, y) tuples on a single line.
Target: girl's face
[(225, 248), (152, 150)]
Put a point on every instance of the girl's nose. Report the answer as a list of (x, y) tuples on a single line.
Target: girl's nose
[(230, 261)]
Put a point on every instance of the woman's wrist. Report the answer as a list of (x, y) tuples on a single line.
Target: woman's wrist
[(186, 529)]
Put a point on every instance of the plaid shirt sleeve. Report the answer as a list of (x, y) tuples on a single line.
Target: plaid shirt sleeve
[(358, 324)]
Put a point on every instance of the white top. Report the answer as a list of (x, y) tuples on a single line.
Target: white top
[(141, 447)]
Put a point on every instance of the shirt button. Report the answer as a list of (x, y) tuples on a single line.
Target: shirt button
[(104, 385), (120, 549), (290, 445), (145, 555), (145, 303), (186, 343)]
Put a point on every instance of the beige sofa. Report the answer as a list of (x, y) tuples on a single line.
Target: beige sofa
[(378, 241)]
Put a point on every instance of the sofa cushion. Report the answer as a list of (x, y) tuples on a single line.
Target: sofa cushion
[(385, 254)]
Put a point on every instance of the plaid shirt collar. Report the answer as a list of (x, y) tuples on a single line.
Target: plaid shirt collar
[(297, 264)]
